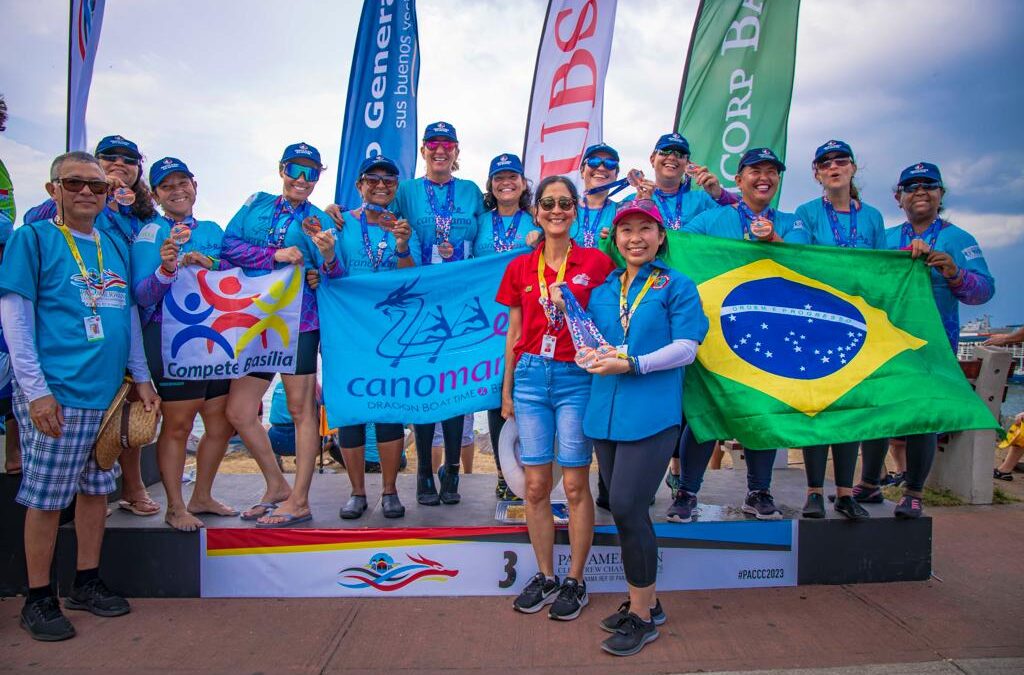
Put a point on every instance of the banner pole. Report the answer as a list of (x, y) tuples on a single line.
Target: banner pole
[(67, 120)]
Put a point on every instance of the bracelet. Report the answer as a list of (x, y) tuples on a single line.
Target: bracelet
[(328, 266), (399, 254), (634, 365), (957, 278), (169, 276)]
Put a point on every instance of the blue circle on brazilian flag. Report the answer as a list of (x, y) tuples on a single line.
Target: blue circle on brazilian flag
[(790, 329)]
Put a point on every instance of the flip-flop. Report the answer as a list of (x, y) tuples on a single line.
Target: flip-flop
[(266, 506), (230, 514), (133, 506), (288, 521)]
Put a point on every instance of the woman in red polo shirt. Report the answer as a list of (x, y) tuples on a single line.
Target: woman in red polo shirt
[(547, 393)]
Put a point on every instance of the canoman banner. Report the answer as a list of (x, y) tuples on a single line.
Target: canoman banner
[(380, 110), (738, 81), (452, 561), (83, 40), (567, 103), (227, 324), (414, 345)]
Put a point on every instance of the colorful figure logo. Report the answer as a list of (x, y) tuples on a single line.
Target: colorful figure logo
[(111, 280), (383, 574)]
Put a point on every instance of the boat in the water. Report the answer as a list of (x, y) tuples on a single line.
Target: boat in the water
[(975, 332)]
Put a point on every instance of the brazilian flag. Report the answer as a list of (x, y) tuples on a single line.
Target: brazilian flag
[(812, 345)]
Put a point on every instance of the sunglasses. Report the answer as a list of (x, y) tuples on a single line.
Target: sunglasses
[(114, 157), (310, 174), (837, 162), (373, 179), (97, 187), (607, 162), (672, 152), (444, 145), (564, 203), (929, 186)]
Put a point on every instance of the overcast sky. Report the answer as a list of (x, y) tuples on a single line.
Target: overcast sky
[(226, 85)]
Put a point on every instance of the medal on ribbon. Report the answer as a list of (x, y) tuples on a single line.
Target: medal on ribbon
[(590, 345), (124, 196)]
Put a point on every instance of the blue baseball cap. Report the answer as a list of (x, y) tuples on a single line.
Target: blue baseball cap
[(758, 155), (600, 147), (833, 147), (110, 143), (440, 130), (378, 162), (301, 151), (163, 168), (673, 140), (922, 171), (506, 162)]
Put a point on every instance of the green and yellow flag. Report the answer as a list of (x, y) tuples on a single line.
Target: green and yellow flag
[(812, 345)]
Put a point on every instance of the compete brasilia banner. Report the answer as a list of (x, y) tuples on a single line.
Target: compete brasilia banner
[(380, 109), (84, 26), (415, 345), (738, 82), (812, 345), (567, 100), (219, 325)]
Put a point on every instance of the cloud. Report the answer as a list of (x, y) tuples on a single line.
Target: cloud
[(992, 230)]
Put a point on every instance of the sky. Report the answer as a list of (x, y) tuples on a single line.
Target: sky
[(226, 85)]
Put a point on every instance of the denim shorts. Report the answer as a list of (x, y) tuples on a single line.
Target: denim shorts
[(549, 398)]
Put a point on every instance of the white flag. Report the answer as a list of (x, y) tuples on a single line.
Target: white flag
[(84, 40)]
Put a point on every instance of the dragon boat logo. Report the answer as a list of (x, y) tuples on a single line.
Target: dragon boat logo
[(111, 280), (384, 574)]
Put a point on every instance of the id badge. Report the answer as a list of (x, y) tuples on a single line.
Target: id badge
[(623, 349), (547, 346), (435, 255), (93, 328)]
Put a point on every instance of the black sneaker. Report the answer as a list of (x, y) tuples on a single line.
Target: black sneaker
[(631, 636), (426, 493), (682, 507), (848, 506), (391, 506), (868, 494), (814, 507), (909, 507), (371, 467), (572, 598), (539, 591), (759, 503), (449, 476), (611, 623), (674, 481), (45, 622), (899, 479), (500, 488), (94, 596), (354, 507)]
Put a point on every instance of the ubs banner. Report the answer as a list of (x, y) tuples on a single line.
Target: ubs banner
[(479, 560)]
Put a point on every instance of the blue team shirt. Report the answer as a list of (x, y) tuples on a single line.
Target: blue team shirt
[(351, 251), (725, 222), (485, 234), (38, 265), (870, 225), (630, 407), (679, 209), (411, 203), (592, 220)]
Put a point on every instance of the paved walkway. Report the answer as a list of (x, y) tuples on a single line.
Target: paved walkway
[(968, 619)]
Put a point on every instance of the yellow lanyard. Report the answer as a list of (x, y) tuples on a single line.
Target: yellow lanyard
[(93, 295), (542, 285), (626, 312)]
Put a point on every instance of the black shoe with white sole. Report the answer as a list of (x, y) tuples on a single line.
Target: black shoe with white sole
[(539, 591), (631, 636), (612, 622), (572, 598)]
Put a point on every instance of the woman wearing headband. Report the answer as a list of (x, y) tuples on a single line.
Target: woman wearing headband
[(547, 393)]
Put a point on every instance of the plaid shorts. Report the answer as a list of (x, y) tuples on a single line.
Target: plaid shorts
[(53, 469)]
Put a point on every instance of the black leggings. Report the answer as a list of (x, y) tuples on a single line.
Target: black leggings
[(633, 471), (920, 456), (424, 433), (844, 464), (495, 423), (696, 456)]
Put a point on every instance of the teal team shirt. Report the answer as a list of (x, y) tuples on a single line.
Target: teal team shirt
[(485, 234), (205, 238), (631, 407), (679, 209), (725, 222), (411, 203), (592, 221), (870, 225), (254, 225), (351, 252), (38, 265)]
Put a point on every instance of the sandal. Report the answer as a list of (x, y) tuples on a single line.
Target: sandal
[(1001, 475), (140, 507)]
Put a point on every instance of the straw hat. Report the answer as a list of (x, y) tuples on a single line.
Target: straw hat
[(1015, 436), (508, 453), (126, 424)]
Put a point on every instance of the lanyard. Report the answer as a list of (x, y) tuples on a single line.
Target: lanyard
[(382, 246), (278, 232), (625, 311), (930, 236), (554, 315), (93, 294), (833, 220), (747, 216), (504, 240), (613, 188), (676, 221), (589, 233), (442, 217)]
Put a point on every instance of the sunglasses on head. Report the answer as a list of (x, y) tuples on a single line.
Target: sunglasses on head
[(672, 152), (310, 174), (929, 186), (607, 162), (838, 162), (434, 145), (113, 157), (97, 187), (564, 203), (373, 179)]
